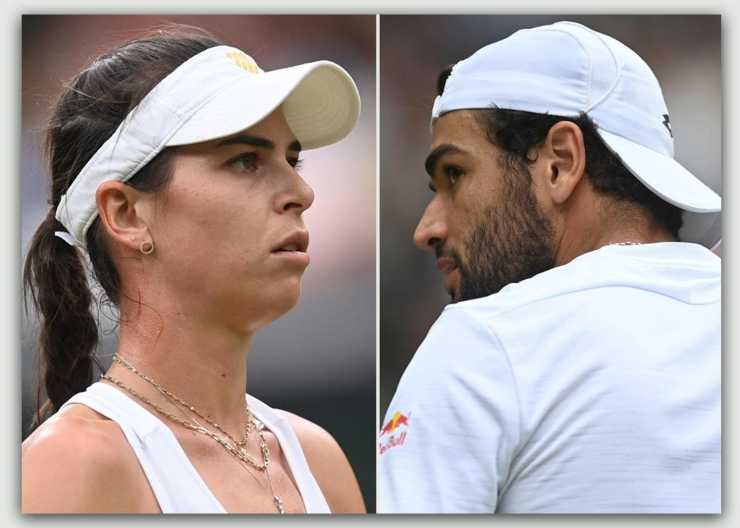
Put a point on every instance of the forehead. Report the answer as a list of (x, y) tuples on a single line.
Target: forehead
[(461, 129), (457, 127)]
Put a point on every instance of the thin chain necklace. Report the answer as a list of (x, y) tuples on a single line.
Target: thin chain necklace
[(628, 243), (233, 450), (248, 427)]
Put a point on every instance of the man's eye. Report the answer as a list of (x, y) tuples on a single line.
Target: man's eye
[(452, 173), (246, 162)]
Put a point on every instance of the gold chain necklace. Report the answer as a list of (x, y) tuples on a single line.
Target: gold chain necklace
[(233, 450), (248, 427)]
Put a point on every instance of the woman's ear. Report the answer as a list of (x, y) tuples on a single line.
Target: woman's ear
[(119, 208), (564, 156)]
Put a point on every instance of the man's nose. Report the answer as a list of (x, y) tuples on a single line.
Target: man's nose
[(432, 228)]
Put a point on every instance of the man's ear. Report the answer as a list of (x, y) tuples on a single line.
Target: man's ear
[(119, 207), (564, 157)]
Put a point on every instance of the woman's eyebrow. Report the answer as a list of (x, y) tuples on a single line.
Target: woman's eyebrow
[(244, 139), (256, 141)]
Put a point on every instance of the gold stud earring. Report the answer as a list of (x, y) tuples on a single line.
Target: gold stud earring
[(146, 248)]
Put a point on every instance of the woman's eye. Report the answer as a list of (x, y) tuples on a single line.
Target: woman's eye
[(246, 162), (452, 173)]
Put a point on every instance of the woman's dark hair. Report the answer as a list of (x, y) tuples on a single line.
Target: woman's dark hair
[(516, 132), (89, 110)]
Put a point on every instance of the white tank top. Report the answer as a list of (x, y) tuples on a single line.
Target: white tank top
[(177, 485)]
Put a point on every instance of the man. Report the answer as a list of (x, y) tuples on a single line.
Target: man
[(578, 367)]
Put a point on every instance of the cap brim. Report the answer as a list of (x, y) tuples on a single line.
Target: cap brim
[(320, 102), (701, 228), (676, 185)]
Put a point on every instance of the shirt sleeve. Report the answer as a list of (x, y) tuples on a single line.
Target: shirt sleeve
[(452, 427)]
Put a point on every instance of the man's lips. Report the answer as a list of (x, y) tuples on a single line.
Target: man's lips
[(446, 264), (448, 267)]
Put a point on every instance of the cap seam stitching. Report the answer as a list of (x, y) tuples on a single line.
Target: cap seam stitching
[(588, 56), (611, 53), (618, 79)]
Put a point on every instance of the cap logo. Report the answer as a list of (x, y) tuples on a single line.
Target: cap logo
[(667, 123), (244, 61)]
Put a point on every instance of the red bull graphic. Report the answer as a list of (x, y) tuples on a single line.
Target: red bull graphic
[(391, 430), (393, 424)]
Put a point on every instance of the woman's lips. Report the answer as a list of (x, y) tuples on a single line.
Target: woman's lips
[(294, 257), (295, 241), (292, 249)]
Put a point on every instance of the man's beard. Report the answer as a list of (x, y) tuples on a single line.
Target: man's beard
[(512, 241)]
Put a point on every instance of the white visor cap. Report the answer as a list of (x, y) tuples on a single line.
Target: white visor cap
[(216, 93), (567, 69)]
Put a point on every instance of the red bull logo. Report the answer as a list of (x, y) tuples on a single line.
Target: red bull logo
[(399, 419), (394, 423)]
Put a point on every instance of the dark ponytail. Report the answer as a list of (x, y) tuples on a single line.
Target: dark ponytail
[(55, 277), (89, 110)]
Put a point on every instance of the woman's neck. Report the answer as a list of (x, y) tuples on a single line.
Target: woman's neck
[(203, 365)]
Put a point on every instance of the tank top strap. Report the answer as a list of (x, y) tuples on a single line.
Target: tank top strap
[(313, 498), (176, 484)]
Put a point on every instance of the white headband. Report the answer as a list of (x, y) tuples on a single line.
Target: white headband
[(214, 94)]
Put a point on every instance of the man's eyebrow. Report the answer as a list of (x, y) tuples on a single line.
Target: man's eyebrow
[(256, 141), (431, 162)]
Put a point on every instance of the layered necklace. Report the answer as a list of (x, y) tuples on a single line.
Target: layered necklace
[(237, 449)]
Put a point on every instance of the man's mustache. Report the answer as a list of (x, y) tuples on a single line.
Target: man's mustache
[(440, 251)]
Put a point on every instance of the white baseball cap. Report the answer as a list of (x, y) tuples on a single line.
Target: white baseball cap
[(214, 94), (567, 69)]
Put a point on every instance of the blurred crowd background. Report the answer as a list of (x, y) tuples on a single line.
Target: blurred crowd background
[(319, 361), (683, 51)]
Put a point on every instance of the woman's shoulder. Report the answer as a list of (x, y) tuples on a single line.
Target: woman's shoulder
[(312, 437), (79, 461), (328, 463)]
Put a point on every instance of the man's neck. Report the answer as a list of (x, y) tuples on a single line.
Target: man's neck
[(612, 224)]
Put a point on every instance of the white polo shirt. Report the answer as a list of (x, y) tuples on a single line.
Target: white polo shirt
[(593, 387)]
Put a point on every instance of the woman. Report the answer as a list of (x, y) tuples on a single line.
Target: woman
[(173, 163)]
